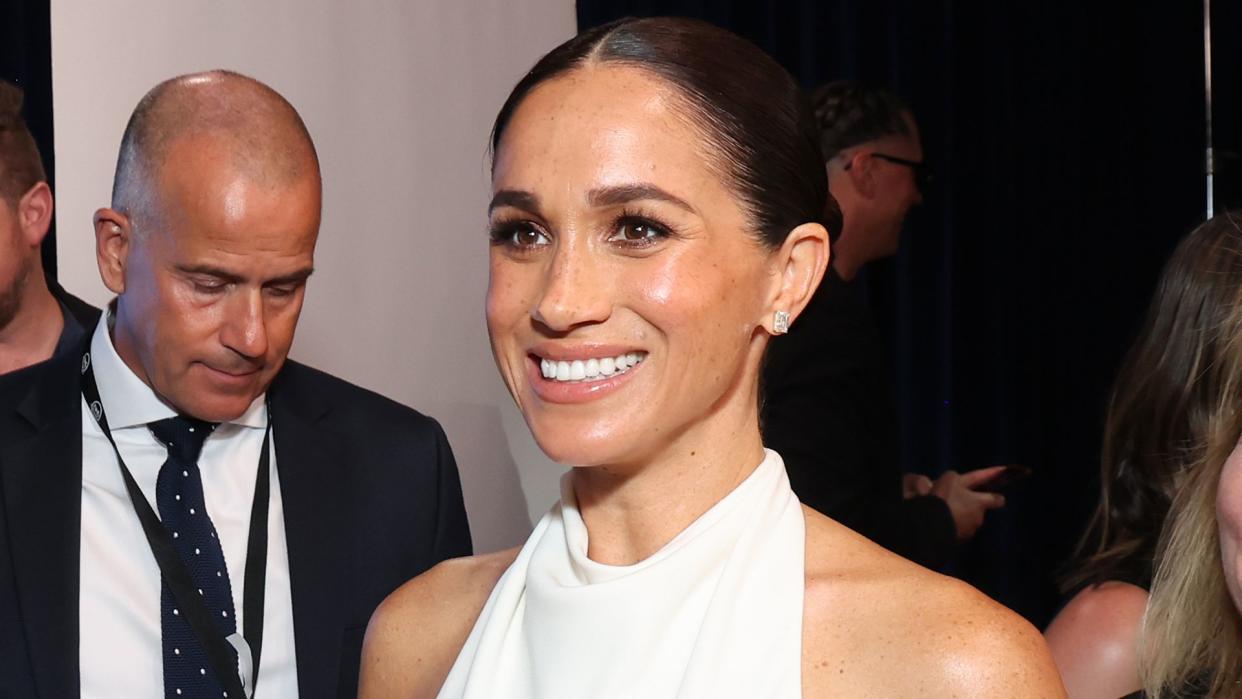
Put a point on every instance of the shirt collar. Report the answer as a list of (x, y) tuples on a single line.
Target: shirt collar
[(129, 401)]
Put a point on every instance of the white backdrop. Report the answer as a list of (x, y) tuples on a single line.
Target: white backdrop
[(399, 97)]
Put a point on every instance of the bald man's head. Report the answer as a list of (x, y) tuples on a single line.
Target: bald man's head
[(210, 240), (263, 134)]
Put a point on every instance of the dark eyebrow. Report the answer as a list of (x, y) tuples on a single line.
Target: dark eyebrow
[(623, 194), (603, 196), (515, 198), (292, 278)]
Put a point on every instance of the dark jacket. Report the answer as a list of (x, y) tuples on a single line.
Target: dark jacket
[(828, 411), (371, 499), (80, 313)]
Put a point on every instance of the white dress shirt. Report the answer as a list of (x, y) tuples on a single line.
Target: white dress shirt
[(120, 647)]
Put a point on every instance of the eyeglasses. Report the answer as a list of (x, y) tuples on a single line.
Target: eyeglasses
[(922, 172)]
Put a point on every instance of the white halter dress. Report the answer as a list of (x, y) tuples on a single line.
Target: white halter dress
[(715, 613)]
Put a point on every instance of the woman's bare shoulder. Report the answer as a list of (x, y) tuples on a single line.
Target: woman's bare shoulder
[(416, 633), (1095, 639), (876, 624)]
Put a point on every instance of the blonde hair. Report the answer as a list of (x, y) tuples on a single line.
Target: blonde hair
[(1192, 633)]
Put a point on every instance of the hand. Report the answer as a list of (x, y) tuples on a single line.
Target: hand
[(915, 484), (967, 505)]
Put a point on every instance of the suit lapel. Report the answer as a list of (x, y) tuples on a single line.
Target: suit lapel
[(314, 487), (41, 472)]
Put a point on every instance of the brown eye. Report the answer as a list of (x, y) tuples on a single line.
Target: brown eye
[(519, 236), (638, 230), (528, 237)]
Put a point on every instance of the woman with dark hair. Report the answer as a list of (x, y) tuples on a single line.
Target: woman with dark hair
[(1168, 395), (656, 218)]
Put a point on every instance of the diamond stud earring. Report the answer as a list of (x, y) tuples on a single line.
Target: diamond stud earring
[(780, 322)]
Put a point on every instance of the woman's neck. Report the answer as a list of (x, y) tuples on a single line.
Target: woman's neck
[(632, 511)]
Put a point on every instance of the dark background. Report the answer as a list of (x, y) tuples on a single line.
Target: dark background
[(26, 60), (1068, 142)]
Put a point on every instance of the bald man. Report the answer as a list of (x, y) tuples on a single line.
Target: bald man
[(185, 512)]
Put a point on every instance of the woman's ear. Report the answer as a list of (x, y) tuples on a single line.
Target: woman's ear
[(799, 265)]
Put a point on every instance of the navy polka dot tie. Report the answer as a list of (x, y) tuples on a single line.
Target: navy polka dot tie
[(179, 496)]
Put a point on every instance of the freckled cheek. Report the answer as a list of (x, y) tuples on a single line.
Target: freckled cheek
[(508, 297), (686, 311), (699, 294), (510, 292)]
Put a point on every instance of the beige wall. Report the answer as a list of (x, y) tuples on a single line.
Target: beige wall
[(399, 97)]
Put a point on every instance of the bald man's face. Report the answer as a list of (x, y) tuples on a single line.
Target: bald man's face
[(213, 284)]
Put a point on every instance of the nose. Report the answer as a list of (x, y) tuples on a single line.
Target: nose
[(245, 328), (575, 290)]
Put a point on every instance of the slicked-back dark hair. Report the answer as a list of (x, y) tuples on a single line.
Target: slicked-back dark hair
[(850, 113), (755, 118), (20, 165)]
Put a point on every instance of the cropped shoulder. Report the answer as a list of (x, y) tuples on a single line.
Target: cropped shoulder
[(1095, 639), (307, 389), (876, 624), (416, 633)]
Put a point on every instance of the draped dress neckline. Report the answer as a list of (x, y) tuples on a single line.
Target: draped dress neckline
[(715, 612)]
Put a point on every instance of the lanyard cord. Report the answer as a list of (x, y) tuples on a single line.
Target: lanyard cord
[(220, 652)]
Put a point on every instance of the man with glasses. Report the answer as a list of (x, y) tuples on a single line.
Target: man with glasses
[(828, 406), (875, 170)]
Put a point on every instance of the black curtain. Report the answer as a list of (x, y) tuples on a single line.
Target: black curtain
[(26, 60), (1068, 144), (1227, 103)]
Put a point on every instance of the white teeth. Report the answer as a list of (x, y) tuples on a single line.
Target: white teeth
[(592, 369)]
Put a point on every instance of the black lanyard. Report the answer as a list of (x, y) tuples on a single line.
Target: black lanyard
[(219, 651)]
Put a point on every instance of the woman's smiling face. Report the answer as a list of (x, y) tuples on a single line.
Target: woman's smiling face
[(626, 289)]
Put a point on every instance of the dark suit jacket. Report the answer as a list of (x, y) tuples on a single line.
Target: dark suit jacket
[(371, 499), (828, 410), (85, 315)]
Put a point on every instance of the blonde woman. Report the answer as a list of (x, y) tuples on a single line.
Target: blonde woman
[(1192, 638), (1155, 432)]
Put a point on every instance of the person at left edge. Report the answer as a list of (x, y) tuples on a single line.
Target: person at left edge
[(38, 318), (208, 245)]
